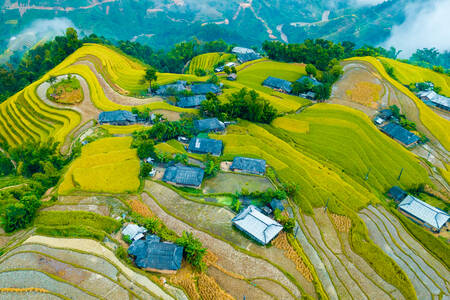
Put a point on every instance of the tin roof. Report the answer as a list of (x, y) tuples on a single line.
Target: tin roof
[(399, 133), (202, 145), (205, 88), (211, 124), (277, 83), (184, 175), (251, 165), (133, 231), (191, 101), (423, 211), (116, 116)]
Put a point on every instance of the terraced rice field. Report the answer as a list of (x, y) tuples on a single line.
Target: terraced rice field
[(348, 139), (76, 269), (253, 76), (429, 277), (207, 61), (435, 124), (106, 165), (408, 74)]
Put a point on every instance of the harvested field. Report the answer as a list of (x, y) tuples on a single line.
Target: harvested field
[(232, 182), (209, 289), (98, 209), (422, 269), (229, 258), (365, 93), (139, 207), (185, 279), (342, 223)]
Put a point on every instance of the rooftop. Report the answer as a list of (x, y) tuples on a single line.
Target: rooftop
[(133, 231), (399, 133), (205, 88), (277, 83), (242, 50), (116, 116), (172, 89), (259, 226), (245, 57), (153, 254), (191, 101), (203, 145), (211, 124), (314, 81), (397, 193), (423, 211), (251, 165), (184, 175)]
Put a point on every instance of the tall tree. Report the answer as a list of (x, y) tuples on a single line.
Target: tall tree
[(150, 76)]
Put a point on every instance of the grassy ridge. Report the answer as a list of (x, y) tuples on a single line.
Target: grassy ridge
[(107, 165), (348, 139), (408, 74), (437, 125)]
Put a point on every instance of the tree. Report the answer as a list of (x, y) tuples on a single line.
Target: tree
[(233, 70), (288, 223), (181, 158), (150, 76), (15, 217), (193, 250), (146, 168), (51, 80), (227, 70), (145, 148), (212, 166), (6, 166), (322, 91), (311, 70)]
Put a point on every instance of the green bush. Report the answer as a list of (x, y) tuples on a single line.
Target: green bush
[(193, 250)]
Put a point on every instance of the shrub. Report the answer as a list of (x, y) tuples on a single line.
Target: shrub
[(193, 250), (127, 239), (146, 168)]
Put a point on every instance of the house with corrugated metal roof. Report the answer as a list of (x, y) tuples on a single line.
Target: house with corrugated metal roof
[(172, 89), (400, 134), (134, 232), (246, 57), (248, 165), (117, 117), (258, 226), (278, 84), (276, 204), (208, 125), (397, 193), (423, 213), (205, 88), (155, 256), (184, 176), (434, 99), (191, 101), (205, 146), (313, 80)]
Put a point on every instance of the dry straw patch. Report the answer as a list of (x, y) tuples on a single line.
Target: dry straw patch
[(211, 260), (22, 290), (365, 93), (342, 223), (185, 279), (139, 207), (281, 242), (209, 289)]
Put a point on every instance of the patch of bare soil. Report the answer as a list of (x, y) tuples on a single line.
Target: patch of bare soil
[(168, 114)]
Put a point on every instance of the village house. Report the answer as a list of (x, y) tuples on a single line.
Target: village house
[(184, 176), (278, 84), (172, 89), (229, 64), (191, 101), (117, 117), (384, 116), (423, 214), (276, 204), (232, 77), (397, 193), (248, 165), (155, 256), (258, 226), (205, 88), (134, 232), (209, 125), (205, 146), (313, 80), (400, 134), (432, 98), (308, 95)]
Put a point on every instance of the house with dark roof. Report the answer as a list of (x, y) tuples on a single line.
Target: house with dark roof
[(423, 213), (246, 57), (232, 77), (313, 80), (208, 125), (248, 165), (397, 193), (117, 117), (155, 256), (205, 146), (172, 89), (384, 116), (242, 50), (278, 84), (400, 134), (205, 88), (434, 99), (258, 226), (184, 176), (191, 101), (276, 204), (134, 232)]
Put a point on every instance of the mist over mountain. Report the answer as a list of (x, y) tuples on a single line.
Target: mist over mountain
[(161, 23)]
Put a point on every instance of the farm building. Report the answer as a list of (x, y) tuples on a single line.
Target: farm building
[(384, 116), (276, 204), (434, 99), (191, 101), (400, 134), (172, 89), (204, 146), (397, 193), (208, 125), (220, 69), (134, 231), (258, 226), (278, 84), (423, 213), (246, 57), (313, 80), (249, 165), (205, 88), (232, 77), (242, 50), (184, 176), (117, 117), (309, 95), (153, 255)]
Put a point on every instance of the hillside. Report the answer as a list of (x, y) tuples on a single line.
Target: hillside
[(328, 164)]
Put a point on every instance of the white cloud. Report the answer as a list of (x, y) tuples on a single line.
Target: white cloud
[(427, 25)]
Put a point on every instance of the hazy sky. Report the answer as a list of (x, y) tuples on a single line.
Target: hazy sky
[(427, 25)]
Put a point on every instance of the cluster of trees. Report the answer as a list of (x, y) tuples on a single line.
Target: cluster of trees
[(164, 131), (244, 104), (174, 60), (432, 58), (403, 121), (36, 62), (41, 164)]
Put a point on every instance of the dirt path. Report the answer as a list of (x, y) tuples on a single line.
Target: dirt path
[(228, 257), (114, 96), (92, 246)]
